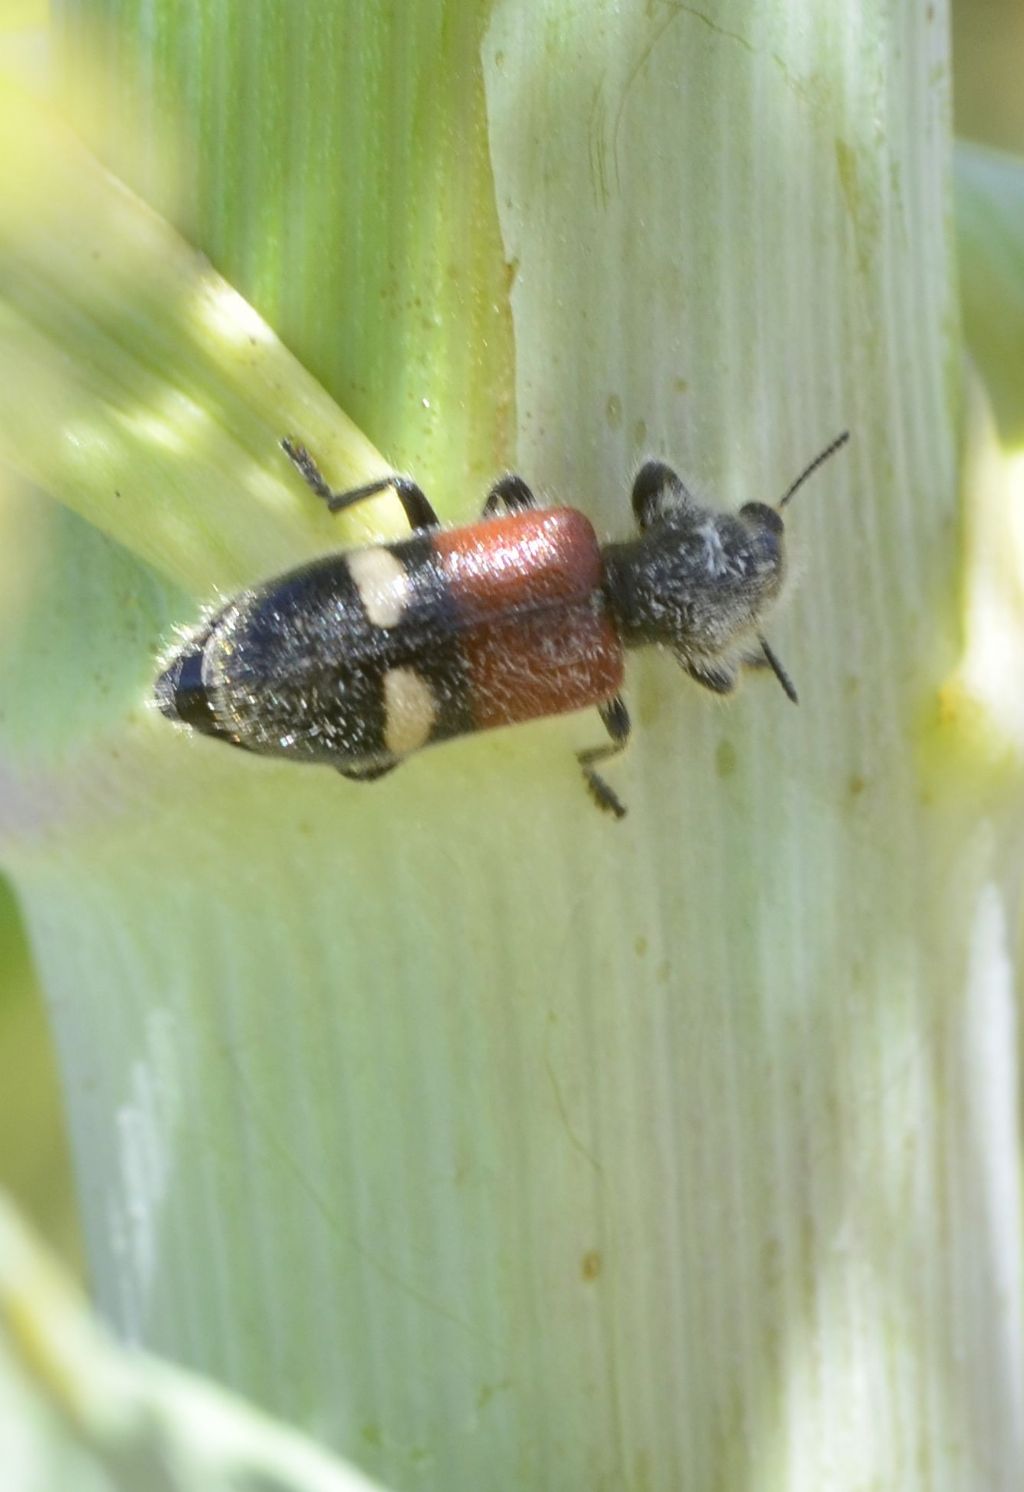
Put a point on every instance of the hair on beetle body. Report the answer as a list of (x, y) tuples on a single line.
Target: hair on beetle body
[(360, 658), (699, 582)]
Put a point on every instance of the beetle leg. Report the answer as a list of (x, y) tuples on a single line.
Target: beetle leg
[(768, 658), (510, 494), (369, 773), (657, 489), (414, 501), (615, 718), (720, 678)]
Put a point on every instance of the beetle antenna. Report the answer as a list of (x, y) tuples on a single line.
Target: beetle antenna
[(822, 456)]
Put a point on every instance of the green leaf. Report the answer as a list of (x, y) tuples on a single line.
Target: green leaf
[(77, 1411), (334, 163), (149, 397)]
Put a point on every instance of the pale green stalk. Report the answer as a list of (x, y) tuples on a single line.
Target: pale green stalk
[(80, 1413), (500, 1145)]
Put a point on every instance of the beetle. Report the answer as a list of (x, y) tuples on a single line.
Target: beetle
[(358, 659)]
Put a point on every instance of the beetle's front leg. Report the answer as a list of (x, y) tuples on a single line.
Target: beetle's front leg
[(657, 489), (720, 678)]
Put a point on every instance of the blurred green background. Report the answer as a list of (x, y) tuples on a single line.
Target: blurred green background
[(988, 49), (988, 66), (34, 1160)]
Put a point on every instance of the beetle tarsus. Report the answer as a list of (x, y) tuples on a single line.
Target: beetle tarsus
[(415, 503), (615, 718)]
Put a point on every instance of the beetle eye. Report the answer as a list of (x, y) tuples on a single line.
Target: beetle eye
[(764, 516)]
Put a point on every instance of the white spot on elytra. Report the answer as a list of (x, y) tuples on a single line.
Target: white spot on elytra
[(382, 583), (410, 711)]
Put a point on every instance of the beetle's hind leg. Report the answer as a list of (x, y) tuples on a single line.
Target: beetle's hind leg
[(418, 508), (510, 494), (615, 718), (369, 773)]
